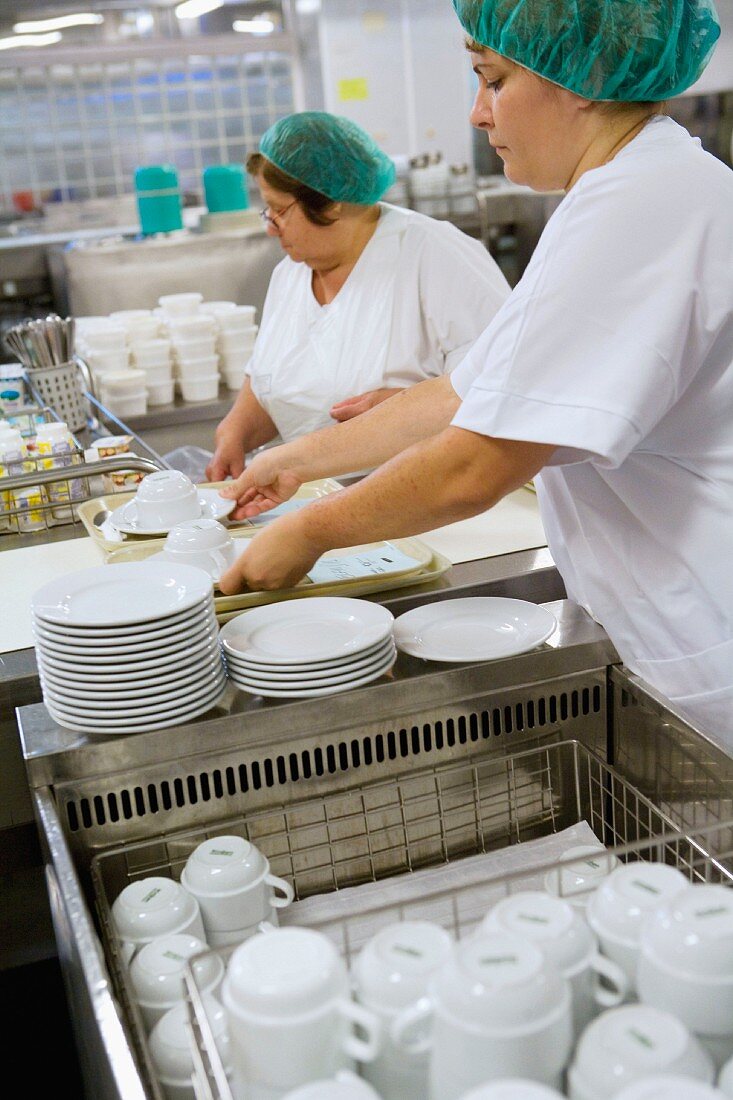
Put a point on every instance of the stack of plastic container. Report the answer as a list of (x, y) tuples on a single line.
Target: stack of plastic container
[(192, 335), (103, 343), (237, 333)]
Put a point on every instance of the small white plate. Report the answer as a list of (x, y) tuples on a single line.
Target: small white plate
[(318, 676), (115, 711), (213, 506), (258, 667), (124, 669), (140, 725), (129, 593), (166, 643), (313, 628), (311, 693), (162, 690), (479, 628), (113, 635)]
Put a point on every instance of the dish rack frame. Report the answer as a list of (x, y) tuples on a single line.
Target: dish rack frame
[(378, 831)]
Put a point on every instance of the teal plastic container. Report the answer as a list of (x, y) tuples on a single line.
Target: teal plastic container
[(158, 198), (225, 188)]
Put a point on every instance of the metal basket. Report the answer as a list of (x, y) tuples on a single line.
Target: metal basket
[(61, 388)]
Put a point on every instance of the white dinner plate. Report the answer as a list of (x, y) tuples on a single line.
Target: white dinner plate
[(479, 628), (120, 656), (296, 683), (213, 506), (167, 679), (311, 693), (314, 628), (159, 690), (304, 666), (123, 669), (139, 725), (131, 592), (317, 677), (166, 643), (115, 711), (114, 634)]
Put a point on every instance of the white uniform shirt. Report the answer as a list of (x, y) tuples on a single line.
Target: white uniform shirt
[(617, 345), (417, 298)]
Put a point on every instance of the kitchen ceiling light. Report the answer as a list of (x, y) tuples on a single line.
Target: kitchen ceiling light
[(60, 23), (29, 40), (253, 26), (192, 9)]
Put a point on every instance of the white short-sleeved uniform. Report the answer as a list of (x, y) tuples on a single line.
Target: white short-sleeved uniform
[(617, 345), (417, 298)]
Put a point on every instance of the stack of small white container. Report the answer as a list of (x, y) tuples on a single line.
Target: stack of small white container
[(236, 335), (103, 343), (192, 335)]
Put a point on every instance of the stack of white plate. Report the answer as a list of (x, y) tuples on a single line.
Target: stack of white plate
[(318, 645), (128, 647)]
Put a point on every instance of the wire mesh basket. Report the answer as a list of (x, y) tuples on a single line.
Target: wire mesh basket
[(61, 387)]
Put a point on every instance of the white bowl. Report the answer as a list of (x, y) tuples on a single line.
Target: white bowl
[(200, 389)]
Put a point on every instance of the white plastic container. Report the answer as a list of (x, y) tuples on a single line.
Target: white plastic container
[(234, 379), (161, 393), (197, 368), (234, 360), (155, 375), (180, 305), (201, 348), (124, 404), (200, 389), (237, 339), (151, 353)]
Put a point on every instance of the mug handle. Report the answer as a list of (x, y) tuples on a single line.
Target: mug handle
[(606, 968), (367, 1049), (286, 889), (414, 1014)]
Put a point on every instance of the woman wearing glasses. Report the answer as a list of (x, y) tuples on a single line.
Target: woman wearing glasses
[(368, 299)]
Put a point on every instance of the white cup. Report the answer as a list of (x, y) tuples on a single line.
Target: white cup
[(580, 872), (231, 880), (204, 542), (344, 1086), (686, 962), (513, 1088), (180, 305), (166, 497), (630, 1042), (154, 906), (291, 1017), (497, 1008), (617, 908), (390, 972), (171, 1052), (561, 933), (157, 973), (668, 1086)]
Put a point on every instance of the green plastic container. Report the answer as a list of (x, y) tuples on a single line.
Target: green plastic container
[(158, 198), (225, 188)]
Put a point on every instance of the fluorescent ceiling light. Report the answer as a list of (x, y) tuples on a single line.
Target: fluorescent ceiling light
[(253, 26), (192, 9), (60, 23), (29, 40)]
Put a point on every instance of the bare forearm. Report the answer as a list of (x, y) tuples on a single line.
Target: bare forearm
[(248, 420)]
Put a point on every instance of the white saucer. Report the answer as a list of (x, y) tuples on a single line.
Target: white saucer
[(332, 674), (312, 628), (311, 693), (137, 689), (144, 632), (140, 725), (125, 594), (213, 506), (480, 628)]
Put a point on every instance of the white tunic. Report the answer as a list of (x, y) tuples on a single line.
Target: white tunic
[(617, 345), (417, 298)]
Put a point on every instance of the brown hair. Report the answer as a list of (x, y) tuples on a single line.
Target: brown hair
[(313, 203)]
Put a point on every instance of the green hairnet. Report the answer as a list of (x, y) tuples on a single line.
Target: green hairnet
[(331, 154), (628, 50)]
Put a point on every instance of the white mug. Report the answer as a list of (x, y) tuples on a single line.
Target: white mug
[(574, 880), (617, 908), (154, 906), (166, 497), (561, 933), (171, 1052), (686, 963), (157, 973), (203, 542), (291, 1016), (390, 972), (231, 880), (627, 1043), (497, 1008)]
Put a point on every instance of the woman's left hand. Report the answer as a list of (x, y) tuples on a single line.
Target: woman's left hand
[(355, 406), (277, 557)]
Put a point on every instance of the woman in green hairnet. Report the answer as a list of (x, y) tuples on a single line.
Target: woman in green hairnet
[(607, 376), (368, 298)]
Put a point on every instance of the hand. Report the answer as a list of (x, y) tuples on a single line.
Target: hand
[(265, 483), (228, 458), (355, 406), (277, 557)]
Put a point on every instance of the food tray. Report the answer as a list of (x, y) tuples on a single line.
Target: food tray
[(430, 565), (93, 514)]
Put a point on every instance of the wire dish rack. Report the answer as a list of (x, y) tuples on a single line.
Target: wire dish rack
[(440, 844)]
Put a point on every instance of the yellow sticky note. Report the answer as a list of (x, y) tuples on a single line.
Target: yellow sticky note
[(355, 88)]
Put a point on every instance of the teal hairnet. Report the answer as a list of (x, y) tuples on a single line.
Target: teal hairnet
[(331, 154), (627, 50)]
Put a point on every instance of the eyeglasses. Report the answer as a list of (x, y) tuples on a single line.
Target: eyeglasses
[(273, 219)]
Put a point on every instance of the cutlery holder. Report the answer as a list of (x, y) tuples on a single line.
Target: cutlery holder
[(60, 387)]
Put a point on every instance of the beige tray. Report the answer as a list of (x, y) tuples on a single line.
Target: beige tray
[(90, 511), (429, 565)]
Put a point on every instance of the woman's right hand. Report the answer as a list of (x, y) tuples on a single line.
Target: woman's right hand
[(269, 480), (228, 457)]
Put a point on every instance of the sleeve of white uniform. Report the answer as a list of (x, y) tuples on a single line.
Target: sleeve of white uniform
[(588, 352), (461, 289)]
